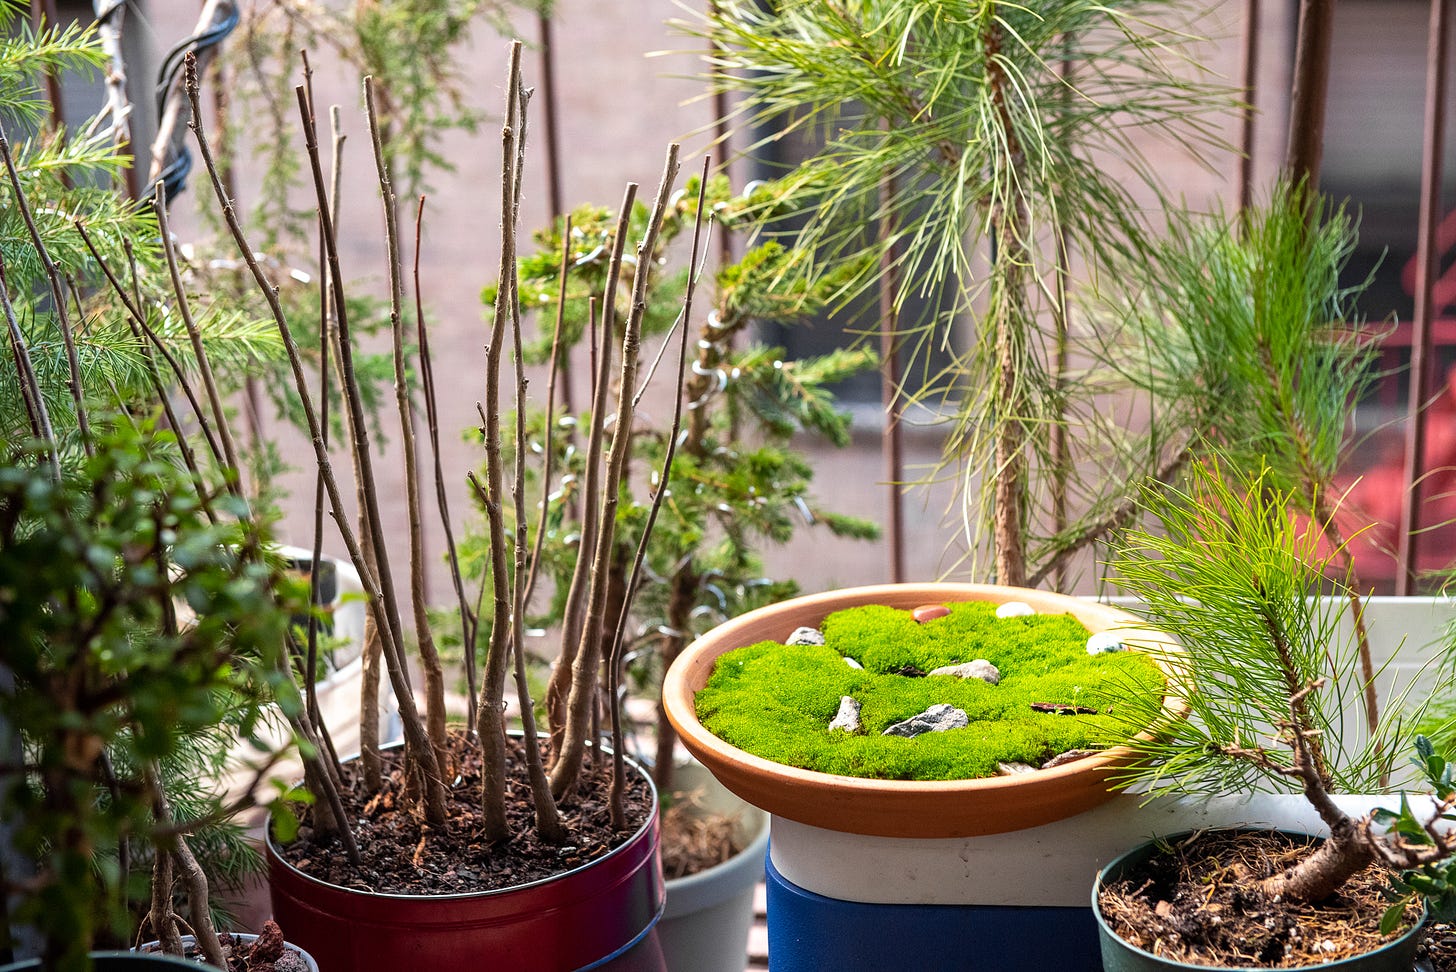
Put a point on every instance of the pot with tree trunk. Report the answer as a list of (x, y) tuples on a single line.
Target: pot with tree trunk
[(1230, 571), (472, 841), (736, 488)]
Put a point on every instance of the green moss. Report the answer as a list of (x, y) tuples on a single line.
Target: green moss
[(776, 700)]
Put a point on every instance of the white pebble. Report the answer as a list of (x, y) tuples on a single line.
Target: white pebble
[(1014, 609), (847, 718), (1105, 642), (852, 663), (805, 636)]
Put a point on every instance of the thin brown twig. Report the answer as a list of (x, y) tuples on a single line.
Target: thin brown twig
[(423, 760), (490, 715), (145, 334), (551, 377), (468, 620), (614, 655), (548, 819), (434, 672), (270, 295), (589, 652), (58, 295), (204, 365), (35, 406)]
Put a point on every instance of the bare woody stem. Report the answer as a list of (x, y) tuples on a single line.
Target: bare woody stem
[(432, 419), (616, 795), (589, 651), (558, 690), (1008, 219), (184, 310), (490, 714), (58, 296), (270, 294), (420, 760), (548, 820), (429, 657), (35, 406)]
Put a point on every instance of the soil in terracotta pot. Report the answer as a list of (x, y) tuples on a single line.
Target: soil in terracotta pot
[(404, 855), (1200, 904), (777, 701), (694, 841)]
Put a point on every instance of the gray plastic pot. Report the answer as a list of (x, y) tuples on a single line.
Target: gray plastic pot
[(706, 921), (242, 937), (1398, 955), (116, 962)]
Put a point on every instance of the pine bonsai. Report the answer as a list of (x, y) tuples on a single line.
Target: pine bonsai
[(1233, 572)]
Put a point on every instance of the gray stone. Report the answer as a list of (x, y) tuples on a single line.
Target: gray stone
[(1105, 642), (1070, 756), (938, 718), (852, 663), (980, 668), (806, 636), (1013, 769), (847, 718)]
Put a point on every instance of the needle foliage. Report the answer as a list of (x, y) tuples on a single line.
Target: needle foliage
[(994, 144)]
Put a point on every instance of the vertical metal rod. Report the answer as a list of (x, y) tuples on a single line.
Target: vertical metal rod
[(892, 439), (1311, 87), (1250, 86), (1432, 162), (44, 12), (552, 147), (721, 135)]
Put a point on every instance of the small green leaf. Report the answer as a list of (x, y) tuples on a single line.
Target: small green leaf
[(1390, 921)]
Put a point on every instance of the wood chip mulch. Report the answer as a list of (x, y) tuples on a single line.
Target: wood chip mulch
[(1202, 906)]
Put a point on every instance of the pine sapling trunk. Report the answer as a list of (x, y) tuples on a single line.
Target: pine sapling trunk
[(1011, 260)]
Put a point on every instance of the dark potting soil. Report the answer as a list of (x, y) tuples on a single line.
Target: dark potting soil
[(1201, 904), (402, 854), (266, 953), (1438, 948)]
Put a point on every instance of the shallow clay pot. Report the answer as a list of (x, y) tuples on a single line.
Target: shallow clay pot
[(893, 808), (1397, 955)]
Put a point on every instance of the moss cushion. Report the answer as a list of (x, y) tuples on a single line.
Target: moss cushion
[(776, 701)]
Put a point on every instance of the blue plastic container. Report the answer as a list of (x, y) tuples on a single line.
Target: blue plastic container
[(809, 932)]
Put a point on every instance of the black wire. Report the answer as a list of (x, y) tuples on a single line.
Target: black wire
[(174, 173)]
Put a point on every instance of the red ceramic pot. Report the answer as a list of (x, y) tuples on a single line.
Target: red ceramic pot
[(599, 915)]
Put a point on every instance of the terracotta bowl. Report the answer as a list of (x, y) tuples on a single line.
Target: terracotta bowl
[(893, 808)]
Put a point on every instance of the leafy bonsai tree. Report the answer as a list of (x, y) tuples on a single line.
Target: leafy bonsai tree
[(1233, 573), (989, 131), (736, 484), (138, 612)]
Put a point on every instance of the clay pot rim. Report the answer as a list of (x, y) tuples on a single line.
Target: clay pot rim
[(678, 694), (648, 825)]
